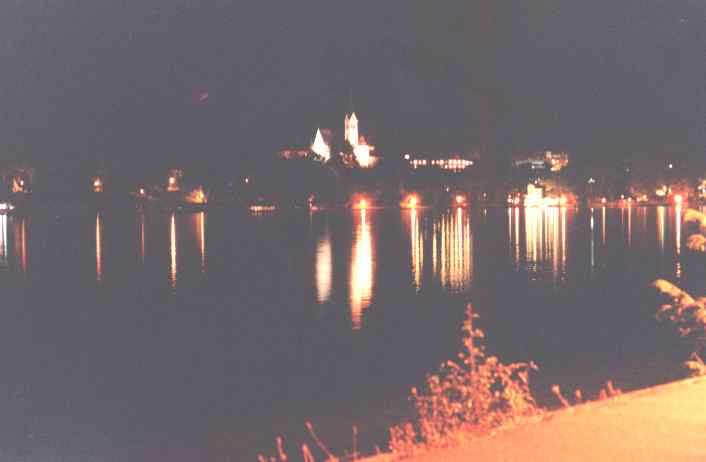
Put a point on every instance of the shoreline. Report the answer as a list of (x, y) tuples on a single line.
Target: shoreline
[(664, 422)]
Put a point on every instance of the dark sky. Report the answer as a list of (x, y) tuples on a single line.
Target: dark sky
[(126, 80)]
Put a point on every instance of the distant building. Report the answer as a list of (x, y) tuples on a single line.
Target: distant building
[(320, 148), (547, 161), (322, 144), (351, 130), (17, 178), (362, 151), (363, 154), (448, 162)]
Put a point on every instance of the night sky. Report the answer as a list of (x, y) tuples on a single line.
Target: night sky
[(133, 81)]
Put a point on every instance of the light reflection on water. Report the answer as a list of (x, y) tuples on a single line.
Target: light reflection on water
[(141, 225), (347, 260), (362, 272), (593, 241), (545, 241), (452, 250), (199, 226), (172, 252), (20, 230), (416, 238), (324, 267), (99, 247), (629, 213), (677, 239), (441, 249), (4, 266), (13, 244), (661, 221)]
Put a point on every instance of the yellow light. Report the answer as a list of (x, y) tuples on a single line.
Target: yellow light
[(262, 208), (678, 199), (362, 203), (563, 200)]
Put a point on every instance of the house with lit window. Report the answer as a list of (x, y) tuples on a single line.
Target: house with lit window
[(452, 163)]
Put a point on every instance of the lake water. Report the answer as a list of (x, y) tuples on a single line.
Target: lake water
[(146, 336)]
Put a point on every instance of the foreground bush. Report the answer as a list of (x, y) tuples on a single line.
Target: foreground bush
[(686, 313), (472, 395)]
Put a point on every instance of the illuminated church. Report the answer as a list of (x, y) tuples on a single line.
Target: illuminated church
[(350, 127), (322, 144), (361, 148)]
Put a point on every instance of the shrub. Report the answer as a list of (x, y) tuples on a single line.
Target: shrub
[(686, 313), (476, 393)]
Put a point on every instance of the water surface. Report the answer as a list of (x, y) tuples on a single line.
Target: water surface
[(145, 336)]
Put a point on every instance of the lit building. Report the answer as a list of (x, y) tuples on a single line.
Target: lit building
[(174, 179), (452, 162), (351, 130), (544, 161), (17, 178), (363, 153), (361, 149), (320, 146), (97, 184), (19, 185)]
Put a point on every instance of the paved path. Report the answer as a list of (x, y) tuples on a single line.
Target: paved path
[(665, 423)]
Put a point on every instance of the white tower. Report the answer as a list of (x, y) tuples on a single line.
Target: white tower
[(352, 131), (346, 123)]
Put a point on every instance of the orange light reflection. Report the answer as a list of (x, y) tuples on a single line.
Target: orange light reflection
[(3, 243), (172, 252), (99, 247), (201, 217), (142, 237), (417, 244), (362, 270), (324, 268), (22, 247), (452, 251)]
